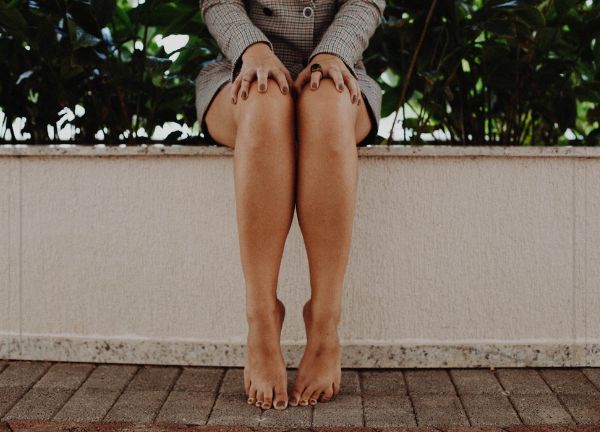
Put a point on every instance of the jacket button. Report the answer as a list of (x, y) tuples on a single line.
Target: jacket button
[(307, 12), (268, 11)]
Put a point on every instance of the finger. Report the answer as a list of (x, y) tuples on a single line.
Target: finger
[(301, 79), (352, 85), (282, 81), (261, 77), (245, 89), (337, 77), (315, 80), (235, 88)]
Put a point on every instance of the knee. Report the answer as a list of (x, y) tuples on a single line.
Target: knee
[(326, 112), (270, 112)]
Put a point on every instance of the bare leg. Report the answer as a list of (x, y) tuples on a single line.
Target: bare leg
[(261, 130), (329, 127)]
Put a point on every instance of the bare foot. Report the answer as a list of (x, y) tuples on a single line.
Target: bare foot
[(265, 374), (320, 370)]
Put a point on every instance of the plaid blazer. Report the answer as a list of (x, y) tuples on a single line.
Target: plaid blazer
[(296, 30)]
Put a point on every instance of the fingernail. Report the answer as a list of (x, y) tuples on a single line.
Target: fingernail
[(354, 99), (244, 95), (262, 87), (341, 87), (313, 85), (285, 90), (232, 100), (280, 404)]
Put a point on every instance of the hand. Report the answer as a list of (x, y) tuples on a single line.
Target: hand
[(332, 67), (260, 63)]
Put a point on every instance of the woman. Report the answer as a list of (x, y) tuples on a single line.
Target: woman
[(256, 100)]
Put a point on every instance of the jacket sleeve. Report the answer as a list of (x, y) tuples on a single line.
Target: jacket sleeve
[(350, 31), (228, 23)]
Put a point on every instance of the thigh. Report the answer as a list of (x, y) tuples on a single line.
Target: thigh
[(219, 117)]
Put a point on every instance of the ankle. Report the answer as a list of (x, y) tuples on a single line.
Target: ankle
[(262, 312)]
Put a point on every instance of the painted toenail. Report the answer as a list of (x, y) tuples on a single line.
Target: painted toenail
[(280, 404), (251, 400), (313, 402), (293, 401), (303, 403), (258, 403)]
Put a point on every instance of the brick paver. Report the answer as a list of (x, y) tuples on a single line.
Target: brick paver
[(522, 381), (145, 395), (97, 395), (46, 396), (51, 392)]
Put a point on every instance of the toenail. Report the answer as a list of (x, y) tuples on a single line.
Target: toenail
[(258, 403), (280, 404), (313, 402), (251, 400), (293, 401), (303, 402)]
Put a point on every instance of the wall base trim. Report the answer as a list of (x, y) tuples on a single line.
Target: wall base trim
[(355, 354)]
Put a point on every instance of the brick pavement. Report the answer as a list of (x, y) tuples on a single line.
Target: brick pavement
[(56, 396)]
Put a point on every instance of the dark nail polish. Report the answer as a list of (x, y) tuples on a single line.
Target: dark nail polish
[(244, 95), (262, 87), (293, 401), (313, 85), (354, 99), (285, 90)]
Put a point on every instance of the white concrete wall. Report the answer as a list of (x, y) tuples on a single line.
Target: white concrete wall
[(461, 256)]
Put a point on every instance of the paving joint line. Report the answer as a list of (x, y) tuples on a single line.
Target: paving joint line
[(217, 394), (171, 387), (125, 387), (462, 405), (557, 395), (412, 405), (507, 395), (26, 391), (362, 399), (588, 378), (95, 366)]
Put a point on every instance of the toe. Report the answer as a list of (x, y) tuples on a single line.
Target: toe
[(295, 397), (336, 389), (314, 397), (308, 391), (259, 398), (252, 395), (280, 397), (327, 393), (268, 399)]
